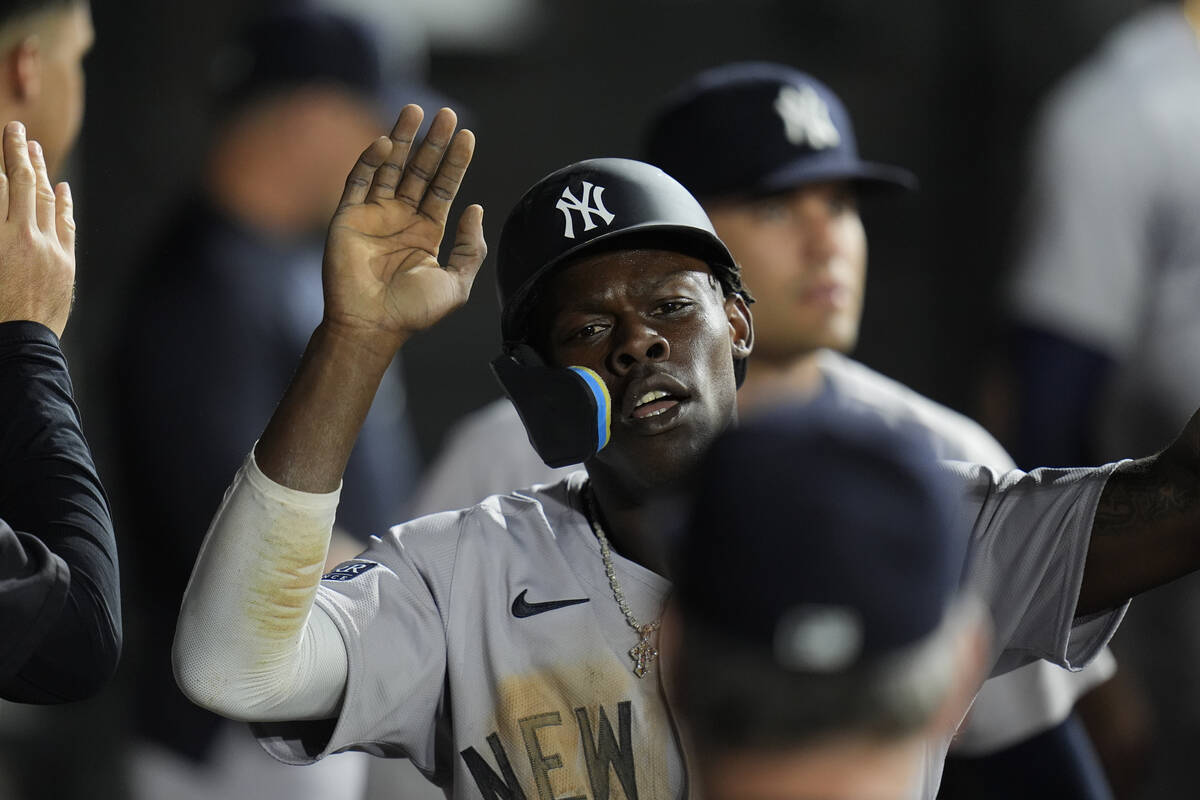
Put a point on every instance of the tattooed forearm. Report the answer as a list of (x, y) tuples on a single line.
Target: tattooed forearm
[(1146, 491), (1147, 527)]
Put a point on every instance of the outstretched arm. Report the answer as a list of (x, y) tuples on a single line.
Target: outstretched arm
[(382, 284), (276, 657), (1147, 526), (60, 617)]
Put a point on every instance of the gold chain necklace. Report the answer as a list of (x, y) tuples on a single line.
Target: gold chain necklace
[(643, 653)]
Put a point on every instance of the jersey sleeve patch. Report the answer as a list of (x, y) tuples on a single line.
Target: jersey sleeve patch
[(349, 570)]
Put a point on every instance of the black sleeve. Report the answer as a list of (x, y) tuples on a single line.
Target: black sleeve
[(60, 620)]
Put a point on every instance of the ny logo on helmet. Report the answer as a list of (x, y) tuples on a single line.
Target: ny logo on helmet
[(591, 203), (806, 118)]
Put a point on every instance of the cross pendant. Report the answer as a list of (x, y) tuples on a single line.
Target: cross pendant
[(643, 653)]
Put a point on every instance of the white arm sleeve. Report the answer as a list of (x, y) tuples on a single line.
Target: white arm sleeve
[(250, 645)]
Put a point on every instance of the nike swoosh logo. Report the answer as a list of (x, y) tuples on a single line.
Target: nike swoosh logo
[(522, 608)]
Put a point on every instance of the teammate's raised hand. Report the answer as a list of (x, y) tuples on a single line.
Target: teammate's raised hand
[(382, 277), (37, 236)]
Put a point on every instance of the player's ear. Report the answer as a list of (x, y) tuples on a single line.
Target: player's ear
[(23, 69), (741, 325)]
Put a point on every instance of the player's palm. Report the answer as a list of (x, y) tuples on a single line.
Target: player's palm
[(382, 275)]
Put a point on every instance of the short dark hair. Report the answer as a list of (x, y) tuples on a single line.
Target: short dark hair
[(288, 48), (14, 10)]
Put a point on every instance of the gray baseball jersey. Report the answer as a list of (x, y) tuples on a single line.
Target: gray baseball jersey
[(486, 646), (488, 453)]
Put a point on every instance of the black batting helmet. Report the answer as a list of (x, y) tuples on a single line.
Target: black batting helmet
[(594, 202)]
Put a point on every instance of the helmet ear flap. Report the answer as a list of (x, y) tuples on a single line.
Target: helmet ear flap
[(567, 412)]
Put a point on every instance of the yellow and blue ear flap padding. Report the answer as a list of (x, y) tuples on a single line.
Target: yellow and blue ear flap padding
[(603, 404), (567, 412)]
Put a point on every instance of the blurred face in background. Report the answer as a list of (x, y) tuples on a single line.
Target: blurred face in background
[(803, 254), (46, 80)]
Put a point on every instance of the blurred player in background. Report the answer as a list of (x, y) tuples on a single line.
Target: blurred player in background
[(43, 44), (224, 302), (1105, 342)]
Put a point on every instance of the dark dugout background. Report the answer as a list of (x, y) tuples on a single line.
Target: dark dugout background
[(945, 87)]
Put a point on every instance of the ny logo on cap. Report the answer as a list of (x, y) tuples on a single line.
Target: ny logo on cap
[(592, 203), (806, 118)]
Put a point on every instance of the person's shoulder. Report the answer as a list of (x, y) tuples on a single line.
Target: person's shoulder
[(858, 381), (186, 278), (854, 381), (1133, 68), (954, 435), (486, 452), (1150, 40), (493, 423), (456, 547), (519, 513)]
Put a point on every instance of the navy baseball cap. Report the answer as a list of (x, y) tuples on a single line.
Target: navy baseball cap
[(822, 538), (300, 44), (755, 128), (291, 46)]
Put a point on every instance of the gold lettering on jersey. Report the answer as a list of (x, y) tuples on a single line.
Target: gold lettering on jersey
[(492, 786), (605, 753), (540, 763), (588, 729)]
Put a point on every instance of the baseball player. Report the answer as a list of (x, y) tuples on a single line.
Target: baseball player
[(1102, 345), (510, 649), (771, 153), (227, 290)]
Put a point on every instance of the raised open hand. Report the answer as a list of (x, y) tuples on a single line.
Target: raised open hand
[(381, 273), (37, 237)]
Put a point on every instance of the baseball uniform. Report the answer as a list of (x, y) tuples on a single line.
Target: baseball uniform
[(486, 646), (443, 671)]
